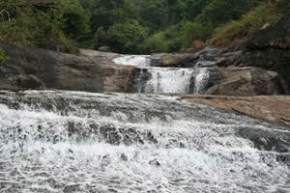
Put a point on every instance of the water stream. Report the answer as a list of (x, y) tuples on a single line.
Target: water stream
[(167, 79), (77, 142)]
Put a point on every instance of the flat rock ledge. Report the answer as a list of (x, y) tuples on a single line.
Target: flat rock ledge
[(274, 109)]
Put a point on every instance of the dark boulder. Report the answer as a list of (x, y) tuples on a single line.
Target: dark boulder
[(27, 82), (268, 48), (32, 68), (245, 81)]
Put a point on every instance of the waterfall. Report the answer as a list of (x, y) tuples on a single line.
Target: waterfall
[(166, 79), (77, 142), (133, 60), (201, 80), (169, 80)]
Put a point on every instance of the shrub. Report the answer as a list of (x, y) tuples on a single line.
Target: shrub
[(163, 41), (126, 37), (191, 31), (51, 27), (249, 23), (3, 56)]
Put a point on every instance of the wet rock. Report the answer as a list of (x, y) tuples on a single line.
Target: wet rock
[(151, 138), (151, 191), (76, 188), (131, 136), (268, 48), (32, 68), (27, 82), (104, 49), (266, 140), (112, 190), (245, 81), (124, 157), (111, 134), (270, 108), (154, 162), (173, 60)]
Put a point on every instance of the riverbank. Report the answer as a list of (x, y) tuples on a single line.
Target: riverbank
[(269, 108)]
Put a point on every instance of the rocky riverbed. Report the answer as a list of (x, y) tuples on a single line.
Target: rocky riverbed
[(60, 141)]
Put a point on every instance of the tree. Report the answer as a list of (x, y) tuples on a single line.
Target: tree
[(124, 37)]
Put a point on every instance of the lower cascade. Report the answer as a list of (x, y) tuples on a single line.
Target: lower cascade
[(166, 79), (77, 142)]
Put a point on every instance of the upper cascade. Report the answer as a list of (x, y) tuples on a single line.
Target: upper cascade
[(172, 80)]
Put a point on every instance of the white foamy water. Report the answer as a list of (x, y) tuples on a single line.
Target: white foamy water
[(56, 142), (133, 60), (164, 79), (170, 80), (201, 80)]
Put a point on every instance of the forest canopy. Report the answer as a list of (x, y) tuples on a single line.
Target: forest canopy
[(129, 26)]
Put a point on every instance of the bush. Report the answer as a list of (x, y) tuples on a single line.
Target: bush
[(52, 27), (249, 23), (191, 31), (125, 37), (164, 41), (3, 56)]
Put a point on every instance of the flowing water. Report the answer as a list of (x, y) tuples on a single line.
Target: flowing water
[(58, 141), (167, 79)]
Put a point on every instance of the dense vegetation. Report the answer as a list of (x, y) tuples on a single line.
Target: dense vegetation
[(3, 57), (132, 26)]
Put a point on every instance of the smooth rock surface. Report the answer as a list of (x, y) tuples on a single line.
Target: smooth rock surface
[(244, 81), (31, 68), (270, 108)]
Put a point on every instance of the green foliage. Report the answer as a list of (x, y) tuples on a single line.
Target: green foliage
[(191, 31), (265, 14), (163, 41), (123, 37), (3, 56), (132, 26), (161, 19), (53, 27), (76, 18)]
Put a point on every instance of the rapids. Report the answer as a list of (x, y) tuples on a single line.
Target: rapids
[(77, 142)]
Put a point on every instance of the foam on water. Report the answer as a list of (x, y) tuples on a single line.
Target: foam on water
[(133, 60), (163, 80), (201, 80), (170, 80), (88, 142)]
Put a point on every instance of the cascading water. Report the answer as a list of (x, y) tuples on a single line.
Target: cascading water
[(134, 60), (76, 142), (166, 80), (169, 80)]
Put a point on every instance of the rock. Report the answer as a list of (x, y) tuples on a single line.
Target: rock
[(72, 188), (27, 82), (198, 45), (32, 68), (270, 108), (104, 49), (173, 60), (276, 36), (268, 48), (118, 79), (154, 162), (245, 81), (124, 157)]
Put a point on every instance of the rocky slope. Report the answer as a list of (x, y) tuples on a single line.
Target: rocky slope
[(270, 108), (96, 72), (29, 68), (269, 49)]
